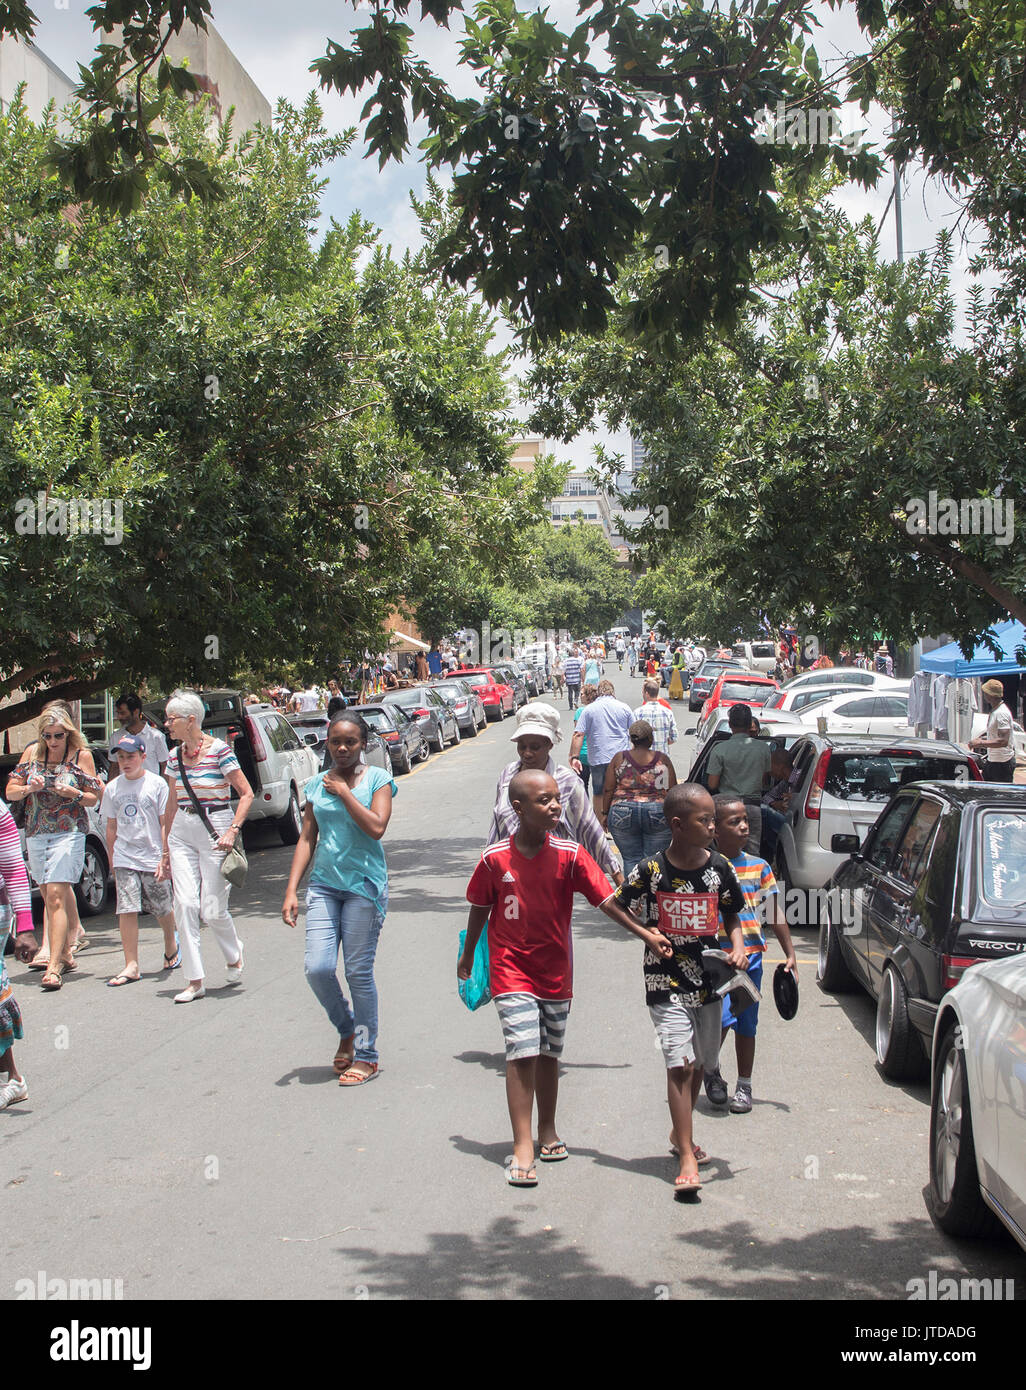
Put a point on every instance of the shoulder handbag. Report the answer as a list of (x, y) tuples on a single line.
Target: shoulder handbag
[(235, 865)]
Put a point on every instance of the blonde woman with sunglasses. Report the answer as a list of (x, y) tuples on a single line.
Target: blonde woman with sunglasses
[(56, 779)]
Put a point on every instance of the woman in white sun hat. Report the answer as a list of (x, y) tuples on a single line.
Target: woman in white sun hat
[(538, 731)]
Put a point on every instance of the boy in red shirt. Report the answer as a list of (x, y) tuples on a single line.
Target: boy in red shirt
[(527, 884)]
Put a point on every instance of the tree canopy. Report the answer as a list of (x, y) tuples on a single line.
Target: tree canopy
[(631, 130), (273, 428)]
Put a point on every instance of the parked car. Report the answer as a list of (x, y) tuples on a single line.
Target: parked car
[(795, 698), (311, 727), (978, 1098), (737, 688), (437, 721), (496, 696), (705, 678), (756, 656), (776, 725), (276, 763), (399, 732), (509, 675), (841, 675), (870, 712), (839, 785), (466, 704), (939, 884)]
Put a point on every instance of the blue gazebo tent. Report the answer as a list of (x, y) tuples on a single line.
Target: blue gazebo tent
[(951, 661)]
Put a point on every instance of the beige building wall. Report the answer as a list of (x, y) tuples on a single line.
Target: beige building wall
[(221, 75), (24, 62), (525, 454)]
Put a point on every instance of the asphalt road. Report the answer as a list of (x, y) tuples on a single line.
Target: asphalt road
[(206, 1151)]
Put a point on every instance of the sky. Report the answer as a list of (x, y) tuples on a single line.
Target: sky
[(278, 58)]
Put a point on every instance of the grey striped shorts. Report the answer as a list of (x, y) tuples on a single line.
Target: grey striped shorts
[(532, 1027)]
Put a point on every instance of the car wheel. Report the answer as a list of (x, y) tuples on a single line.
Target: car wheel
[(404, 763), (471, 731), (291, 823), (438, 742), (832, 973), (92, 888), (484, 718), (898, 1049), (456, 736), (425, 751), (954, 1181)]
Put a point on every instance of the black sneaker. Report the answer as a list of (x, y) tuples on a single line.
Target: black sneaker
[(715, 1088)]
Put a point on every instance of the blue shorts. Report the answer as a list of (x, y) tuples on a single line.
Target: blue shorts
[(745, 1024)]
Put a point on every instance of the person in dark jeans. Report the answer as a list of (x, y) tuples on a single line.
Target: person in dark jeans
[(573, 670), (997, 743)]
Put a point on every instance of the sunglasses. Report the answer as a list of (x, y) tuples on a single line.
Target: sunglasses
[(63, 734)]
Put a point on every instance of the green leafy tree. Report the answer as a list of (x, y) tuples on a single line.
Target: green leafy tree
[(632, 129), (278, 427)]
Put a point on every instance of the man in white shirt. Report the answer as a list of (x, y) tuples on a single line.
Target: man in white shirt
[(128, 711), (997, 742)]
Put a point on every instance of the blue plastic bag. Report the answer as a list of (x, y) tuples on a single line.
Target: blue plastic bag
[(475, 991)]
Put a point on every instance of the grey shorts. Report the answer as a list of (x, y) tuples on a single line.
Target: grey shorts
[(532, 1027), (140, 892), (688, 1033)]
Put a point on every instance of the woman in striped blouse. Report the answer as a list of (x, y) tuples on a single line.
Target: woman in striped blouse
[(191, 857)]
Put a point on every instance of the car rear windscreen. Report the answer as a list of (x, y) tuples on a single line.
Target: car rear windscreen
[(476, 680), (1002, 858), (877, 776), (763, 649), (751, 694), (377, 720)]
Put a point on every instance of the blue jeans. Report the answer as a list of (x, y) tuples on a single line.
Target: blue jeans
[(639, 830), (352, 923)]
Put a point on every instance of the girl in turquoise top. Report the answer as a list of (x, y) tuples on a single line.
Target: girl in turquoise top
[(347, 813)]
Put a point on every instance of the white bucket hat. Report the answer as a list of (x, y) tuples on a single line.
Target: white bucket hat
[(542, 720)]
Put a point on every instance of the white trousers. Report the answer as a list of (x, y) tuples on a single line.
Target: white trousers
[(201, 891)]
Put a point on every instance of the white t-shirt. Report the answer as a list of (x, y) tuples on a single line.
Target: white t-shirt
[(156, 748), (308, 700), (999, 724), (137, 806)]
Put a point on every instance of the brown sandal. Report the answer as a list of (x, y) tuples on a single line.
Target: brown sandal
[(345, 1054), (352, 1077), (54, 977)]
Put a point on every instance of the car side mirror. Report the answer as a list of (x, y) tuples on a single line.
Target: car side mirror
[(689, 732), (844, 844), (311, 740)]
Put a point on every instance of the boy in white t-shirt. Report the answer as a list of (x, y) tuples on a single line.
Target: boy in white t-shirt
[(134, 808)]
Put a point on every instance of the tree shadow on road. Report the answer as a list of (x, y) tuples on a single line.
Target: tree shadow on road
[(507, 1261)]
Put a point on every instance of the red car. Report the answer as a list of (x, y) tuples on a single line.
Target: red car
[(498, 699), (734, 688)]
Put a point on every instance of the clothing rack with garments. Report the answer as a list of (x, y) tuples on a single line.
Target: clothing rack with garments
[(944, 705)]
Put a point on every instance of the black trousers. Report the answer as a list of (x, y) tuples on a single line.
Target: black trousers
[(999, 772)]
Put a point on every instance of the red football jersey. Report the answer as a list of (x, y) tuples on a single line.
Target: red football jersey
[(531, 903)]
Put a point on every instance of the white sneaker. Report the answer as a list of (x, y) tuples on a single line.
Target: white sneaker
[(235, 971), (189, 994), (13, 1091)]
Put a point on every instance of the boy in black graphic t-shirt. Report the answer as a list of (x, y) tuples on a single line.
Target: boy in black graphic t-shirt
[(686, 891)]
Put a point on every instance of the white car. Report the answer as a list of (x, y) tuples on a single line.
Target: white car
[(794, 698), (872, 712), (842, 675), (771, 724), (978, 1102), (756, 656)]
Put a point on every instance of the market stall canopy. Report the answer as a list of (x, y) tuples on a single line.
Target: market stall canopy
[(951, 660)]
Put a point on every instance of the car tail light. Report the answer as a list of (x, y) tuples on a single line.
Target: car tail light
[(955, 967), (390, 736), (259, 747), (815, 796), (975, 775), (420, 713)]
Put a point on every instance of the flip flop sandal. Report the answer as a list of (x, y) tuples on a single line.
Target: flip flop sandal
[(39, 964), (550, 1153), (55, 980), (173, 962), (82, 945), (358, 1077), (687, 1183), (701, 1157), (120, 980), (524, 1178), (343, 1058)]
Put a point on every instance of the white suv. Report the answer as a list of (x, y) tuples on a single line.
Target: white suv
[(276, 762)]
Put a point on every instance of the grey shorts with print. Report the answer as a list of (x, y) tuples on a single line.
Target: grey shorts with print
[(532, 1027), (141, 892), (688, 1033)]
